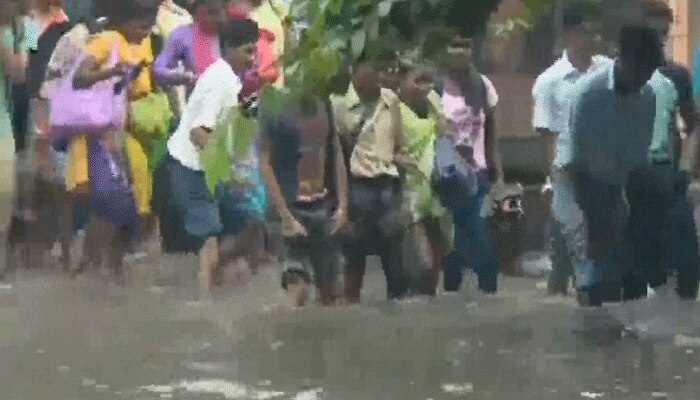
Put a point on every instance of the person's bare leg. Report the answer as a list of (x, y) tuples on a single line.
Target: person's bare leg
[(208, 260), (354, 275), (66, 236), (228, 250), (325, 295), (116, 255), (437, 254), (257, 248), (154, 241)]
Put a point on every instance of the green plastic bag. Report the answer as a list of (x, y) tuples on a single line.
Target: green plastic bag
[(158, 151), (231, 139), (150, 117)]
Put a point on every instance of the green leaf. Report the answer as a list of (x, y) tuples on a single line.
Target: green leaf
[(384, 7), (335, 6), (293, 69), (297, 9), (314, 10), (271, 100), (231, 139), (358, 43)]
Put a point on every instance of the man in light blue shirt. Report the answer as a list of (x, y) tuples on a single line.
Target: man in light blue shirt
[(553, 93), (611, 130)]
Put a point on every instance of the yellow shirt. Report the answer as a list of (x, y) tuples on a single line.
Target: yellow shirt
[(170, 16), (377, 145), (100, 46)]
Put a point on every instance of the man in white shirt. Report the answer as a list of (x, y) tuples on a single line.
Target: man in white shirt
[(189, 214), (553, 92)]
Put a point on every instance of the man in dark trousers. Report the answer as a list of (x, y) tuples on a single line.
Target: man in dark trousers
[(611, 130), (661, 217)]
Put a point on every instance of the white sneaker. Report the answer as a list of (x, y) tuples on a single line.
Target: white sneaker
[(651, 293), (547, 187)]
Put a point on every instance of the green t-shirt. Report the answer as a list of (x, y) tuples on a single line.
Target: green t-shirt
[(30, 40)]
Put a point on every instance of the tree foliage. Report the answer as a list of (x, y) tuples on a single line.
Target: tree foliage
[(338, 31)]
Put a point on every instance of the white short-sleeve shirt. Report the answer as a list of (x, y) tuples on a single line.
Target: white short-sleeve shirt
[(216, 90), (553, 92)]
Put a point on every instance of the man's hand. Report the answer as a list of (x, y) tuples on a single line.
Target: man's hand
[(200, 137), (340, 218), (189, 79), (407, 165), (291, 228), (121, 69)]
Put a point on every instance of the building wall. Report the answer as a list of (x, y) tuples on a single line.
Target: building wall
[(679, 37), (507, 60)]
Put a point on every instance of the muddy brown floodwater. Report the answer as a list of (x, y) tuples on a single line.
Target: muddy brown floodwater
[(85, 339)]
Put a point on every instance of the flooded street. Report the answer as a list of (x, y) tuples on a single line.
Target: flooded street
[(84, 339)]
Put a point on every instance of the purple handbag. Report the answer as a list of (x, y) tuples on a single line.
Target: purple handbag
[(110, 192), (91, 111)]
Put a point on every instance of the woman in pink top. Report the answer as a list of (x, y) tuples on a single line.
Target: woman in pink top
[(469, 99)]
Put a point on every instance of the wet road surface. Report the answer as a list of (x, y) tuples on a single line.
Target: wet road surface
[(85, 339)]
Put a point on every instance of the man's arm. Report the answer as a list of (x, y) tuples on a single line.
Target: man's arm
[(341, 175), (686, 102), (290, 226), (269, 178), (90, 72), (543, 115)]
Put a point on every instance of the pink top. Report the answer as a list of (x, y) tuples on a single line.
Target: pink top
[(205, 49), (468, 125)]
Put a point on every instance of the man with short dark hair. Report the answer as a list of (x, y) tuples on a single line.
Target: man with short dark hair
[(661, 218), (301, 162), (611, 129), (368, 121), (553, 92)]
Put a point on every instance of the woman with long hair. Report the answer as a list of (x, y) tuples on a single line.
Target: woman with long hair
[(127, 35), (469, 99)]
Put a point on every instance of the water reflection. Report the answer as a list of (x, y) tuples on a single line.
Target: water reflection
[(97, 343)]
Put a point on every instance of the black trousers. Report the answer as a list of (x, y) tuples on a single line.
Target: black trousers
[(19, 110)]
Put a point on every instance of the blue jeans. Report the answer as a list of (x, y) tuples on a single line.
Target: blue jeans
[(19, 109), (568, 240), (475, 245)]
